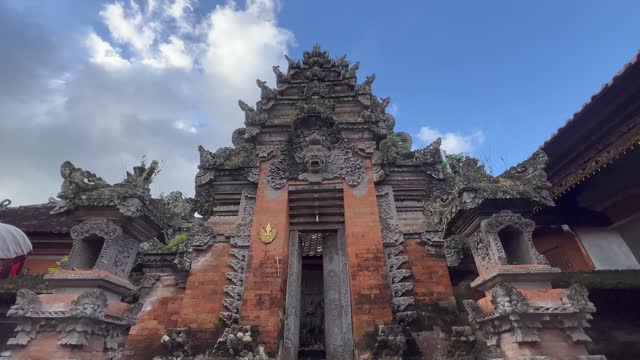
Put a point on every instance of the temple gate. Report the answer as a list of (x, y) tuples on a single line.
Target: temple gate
[(322, 234)]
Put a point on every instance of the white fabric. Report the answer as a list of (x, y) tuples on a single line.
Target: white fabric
[(13, 242)]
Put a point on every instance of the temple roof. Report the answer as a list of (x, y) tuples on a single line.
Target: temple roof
[(38, 219), (604, 128)]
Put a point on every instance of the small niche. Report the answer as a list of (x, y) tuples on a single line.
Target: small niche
[(88, 252), (515, 246)]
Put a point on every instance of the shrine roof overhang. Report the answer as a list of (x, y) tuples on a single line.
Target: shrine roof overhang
[(606, 127), (38, 219)]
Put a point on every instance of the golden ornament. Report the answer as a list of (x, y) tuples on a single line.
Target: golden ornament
[(268, 233)]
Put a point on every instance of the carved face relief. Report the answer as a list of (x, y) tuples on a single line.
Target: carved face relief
[(314, 158)]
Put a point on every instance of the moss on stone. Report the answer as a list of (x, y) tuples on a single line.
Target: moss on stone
[(33, 282), (390, 148)]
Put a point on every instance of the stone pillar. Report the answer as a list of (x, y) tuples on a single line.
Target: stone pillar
[(265, 277), (522, 315), (337, 302), (370, 292), (291, 341)]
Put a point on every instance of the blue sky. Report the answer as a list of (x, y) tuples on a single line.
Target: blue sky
[(494, 78)]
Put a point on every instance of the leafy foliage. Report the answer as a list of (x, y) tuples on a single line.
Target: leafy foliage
[(391, 147), (179, 239), (58, 264)]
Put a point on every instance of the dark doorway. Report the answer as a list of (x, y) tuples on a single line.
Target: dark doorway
[(318, 275), (312, 309)]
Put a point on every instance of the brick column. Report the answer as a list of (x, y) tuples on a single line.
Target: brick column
[(370, 293), (265, 277)]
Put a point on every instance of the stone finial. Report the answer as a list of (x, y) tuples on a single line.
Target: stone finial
[(77, 180), (5, 204)]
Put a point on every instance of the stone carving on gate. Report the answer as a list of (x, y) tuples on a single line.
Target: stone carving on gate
[(315, 153), (390, 342), (393, 244), (237, 342), (240, 251)]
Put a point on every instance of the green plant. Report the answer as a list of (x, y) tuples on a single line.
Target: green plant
[(391, 147), (59, 263), (179, 239), (456, 158)]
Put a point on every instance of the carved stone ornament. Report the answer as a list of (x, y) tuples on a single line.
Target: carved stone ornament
[(4, 204), (314, 153), (77, 180), (132, 196), (118, 252), (454, 250), (465, 188), (240, 250), (395, 258), (267, 233), (176, 343), (578, 296), (390, 342), (238, 342), (27, 304), (85, 313), (508, 300), (487, 247), (513, 312)]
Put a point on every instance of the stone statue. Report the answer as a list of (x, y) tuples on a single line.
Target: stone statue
[(77, 180)]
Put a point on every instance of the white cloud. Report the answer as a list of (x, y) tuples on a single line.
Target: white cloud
[(160, 82), (127, 26), (452, 143), (102, 53)]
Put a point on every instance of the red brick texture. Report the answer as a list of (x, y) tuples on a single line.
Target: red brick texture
[(266, 274), (160, 311), (370, 293), (204, 293), (431, 280)]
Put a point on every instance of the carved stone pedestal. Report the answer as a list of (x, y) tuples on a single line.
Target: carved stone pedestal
[(70, 324), (521, 314)]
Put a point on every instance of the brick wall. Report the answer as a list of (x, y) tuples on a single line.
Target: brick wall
[(204, 292), (160, 311), (431, 281), (370, 293), (264, 291)]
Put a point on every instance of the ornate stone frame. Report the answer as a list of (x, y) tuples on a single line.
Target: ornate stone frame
[(487, 247), (118, 252)]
